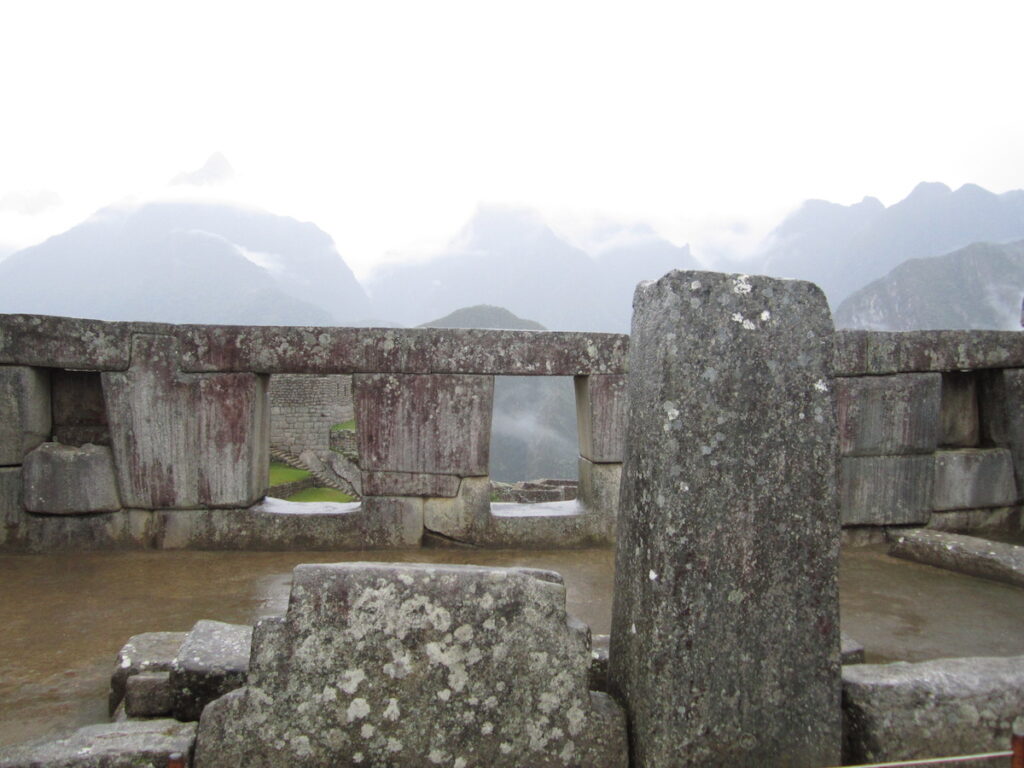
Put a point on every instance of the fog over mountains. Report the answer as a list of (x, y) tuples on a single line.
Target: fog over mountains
[(186, 263), (843, 248), (219, 263), (511, 257)]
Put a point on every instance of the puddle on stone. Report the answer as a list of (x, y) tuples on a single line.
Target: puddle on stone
[(65, 616)]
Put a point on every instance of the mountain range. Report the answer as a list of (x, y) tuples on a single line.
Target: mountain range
[(511, 257), (977, 287), (843, 248), (219, 263), (186, 263)]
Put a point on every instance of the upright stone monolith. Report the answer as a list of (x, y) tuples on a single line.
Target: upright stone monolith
[(725, 627)]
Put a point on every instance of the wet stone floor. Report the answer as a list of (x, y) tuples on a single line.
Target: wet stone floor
[(64, 617)]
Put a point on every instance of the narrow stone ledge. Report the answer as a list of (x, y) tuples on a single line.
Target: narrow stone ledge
[(942, 707), (965, 554)]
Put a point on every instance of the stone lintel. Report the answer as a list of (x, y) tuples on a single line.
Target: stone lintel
[(98, 345), (868, 353)]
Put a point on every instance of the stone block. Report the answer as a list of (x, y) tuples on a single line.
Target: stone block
[(1001, 402), (874, 353), (149, 652), (409, 484), (181, 440), (885, 415), (599, 488), (601, 417), (960, 425), (124, 529), (964, 554), (291, 349), (931, 709), (64, 342), (24, 411), (412, 665), (438, 424), (64, 480), (148, 694), (465, 516), (886, 490), (11, 504), (212, 660), (973, 478), (127, 744), (725, 621), (79, 411)]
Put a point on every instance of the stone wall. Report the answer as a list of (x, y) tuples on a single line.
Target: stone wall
[(929, 424), (304, 408), (145, 434)]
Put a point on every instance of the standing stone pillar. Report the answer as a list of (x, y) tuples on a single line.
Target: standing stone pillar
[(725, 626), (601, 426)]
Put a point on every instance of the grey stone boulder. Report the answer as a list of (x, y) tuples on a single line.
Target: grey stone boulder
[(931, 709), (128, 744), (65, 480), (147, 652), (417, 665), (213, 660), (149, 695), (725, 620), (964, 554)]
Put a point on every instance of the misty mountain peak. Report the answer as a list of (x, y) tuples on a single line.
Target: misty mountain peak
[(503, 228), (215, 170)]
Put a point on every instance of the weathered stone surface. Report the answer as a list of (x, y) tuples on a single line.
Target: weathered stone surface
[(146, 653), (886, 490), (599, 488), (960, 424), (860, 353), (1001, 403), (547, 525), (417, 665), (885, 415), (972, 478), (439, 424), (24, 411), (148, 694), (601, 417), (128, 744), (464, 517), (725, 623), (409, 484), (64, 480), (125, 529), (850, 651), (212, 660), (182, 441), (269, 349), (931, 709), (10, 500), (64, 342), (79, 411), (964, 554)]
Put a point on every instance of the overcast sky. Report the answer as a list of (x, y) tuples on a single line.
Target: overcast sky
[(387, 122)]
